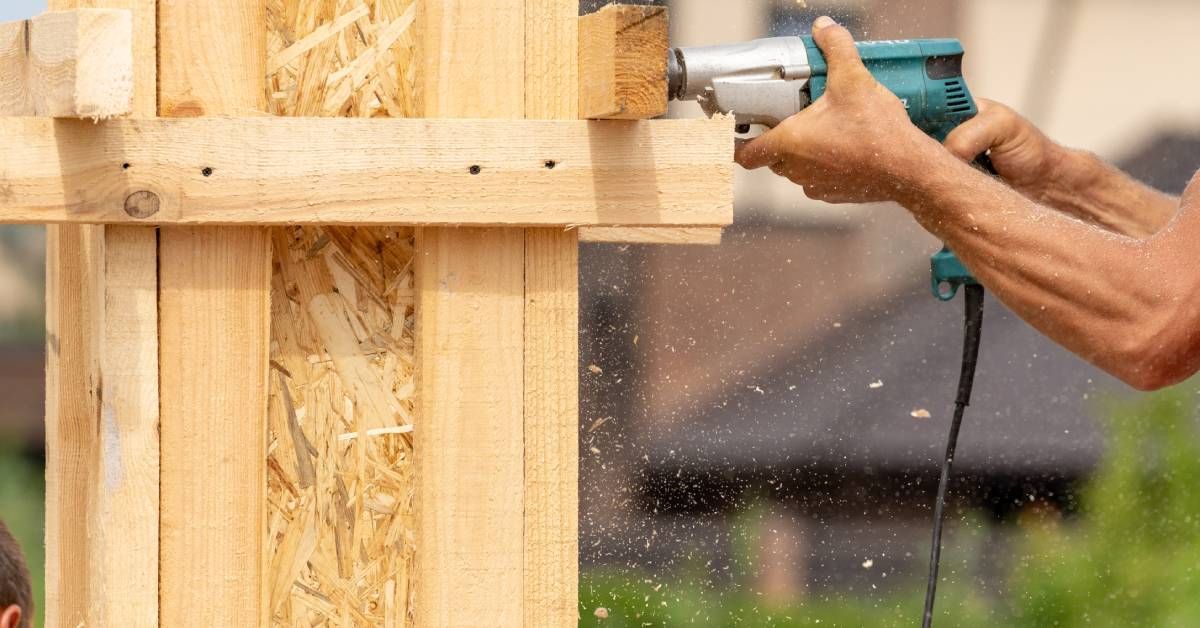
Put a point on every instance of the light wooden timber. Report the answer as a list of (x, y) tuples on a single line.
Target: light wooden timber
[(623, 62), (68, 64), (470, 335), (214, 304), (652, 235), (551, 578), (377, 171), (15, 99), (81, 63), (102, 455)]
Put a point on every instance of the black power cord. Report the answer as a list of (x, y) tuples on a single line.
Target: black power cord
[(972, 328)]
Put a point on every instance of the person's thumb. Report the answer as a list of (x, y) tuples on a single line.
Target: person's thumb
[(838, 45), (758, 152)]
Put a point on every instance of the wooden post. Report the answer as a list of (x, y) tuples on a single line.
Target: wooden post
[(214, 304), (470, 335), (102, 447), (551, 595)]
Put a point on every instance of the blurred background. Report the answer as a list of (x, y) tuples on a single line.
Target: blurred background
[(750, 454)]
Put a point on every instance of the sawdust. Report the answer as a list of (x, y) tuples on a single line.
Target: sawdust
[(341, 484)]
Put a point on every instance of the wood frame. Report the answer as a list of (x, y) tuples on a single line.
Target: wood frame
[(159, 314)]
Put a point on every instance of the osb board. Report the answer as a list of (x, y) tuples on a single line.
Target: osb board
[(340, 467)]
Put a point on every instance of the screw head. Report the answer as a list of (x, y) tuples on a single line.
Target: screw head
[(142, 204)]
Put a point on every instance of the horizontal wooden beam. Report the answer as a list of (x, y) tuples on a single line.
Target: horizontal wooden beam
[(623, 62), (709, 236), (367, 171), (68, 64)]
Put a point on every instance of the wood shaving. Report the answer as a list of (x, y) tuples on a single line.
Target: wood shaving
[(920, 413)]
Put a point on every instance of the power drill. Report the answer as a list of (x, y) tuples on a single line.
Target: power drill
[(765, 81)]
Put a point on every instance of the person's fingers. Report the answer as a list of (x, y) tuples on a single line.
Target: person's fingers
[(761, 151), (838, 46), (974, 137)]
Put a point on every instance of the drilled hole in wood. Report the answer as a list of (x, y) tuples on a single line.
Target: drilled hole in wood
[(207, 172), (126, 166), (475, 169), (550, 164)]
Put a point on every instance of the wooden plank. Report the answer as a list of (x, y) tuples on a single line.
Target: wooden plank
[(369, 171), (709, 236), (342, 471), (214, 304), (74, 350), (81, 63), (470, 338), (102, 403), (551, 555), (623, 62), (14, 69)]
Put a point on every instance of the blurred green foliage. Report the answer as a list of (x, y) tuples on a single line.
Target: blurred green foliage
[(1134, 559), (1131, 558), (22, 493)]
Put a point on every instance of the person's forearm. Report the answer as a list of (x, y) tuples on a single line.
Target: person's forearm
[(1083, 185), (1110, 298)]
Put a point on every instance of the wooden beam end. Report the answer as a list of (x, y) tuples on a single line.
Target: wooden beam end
[(623, 62)]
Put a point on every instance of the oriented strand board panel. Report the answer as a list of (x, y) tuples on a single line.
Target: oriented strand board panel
[(81, 63), (623, 62), (376, 171), (551, 588), (341, 484), (102, 456), (214, 343)]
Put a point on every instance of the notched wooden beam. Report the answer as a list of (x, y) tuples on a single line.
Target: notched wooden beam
[(68, 64), (623, 62), (368, 171)]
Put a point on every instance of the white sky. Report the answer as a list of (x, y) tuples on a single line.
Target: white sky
[(20, 9)]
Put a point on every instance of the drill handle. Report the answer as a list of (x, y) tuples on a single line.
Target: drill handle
[(949, 273)]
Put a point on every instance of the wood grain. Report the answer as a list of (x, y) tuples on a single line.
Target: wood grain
[(623, 62), (214, 303), (470, 338), (15, 98), (376, 171), (81, 63), (102, 458), (551, 587), (709, 236)]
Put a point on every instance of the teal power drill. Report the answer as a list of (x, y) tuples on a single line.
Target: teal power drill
[(767, 80)]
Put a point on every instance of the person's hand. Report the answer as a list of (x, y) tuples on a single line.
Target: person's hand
[(855, 144), (1023, 156)]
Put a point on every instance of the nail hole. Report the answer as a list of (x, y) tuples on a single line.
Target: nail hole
[(550, 164), (475, 170), (125, 166), (207, 172)]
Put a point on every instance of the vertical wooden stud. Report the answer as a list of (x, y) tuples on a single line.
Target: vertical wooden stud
[(551, 588), (470, 282), (215, 309), (102, 400)]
